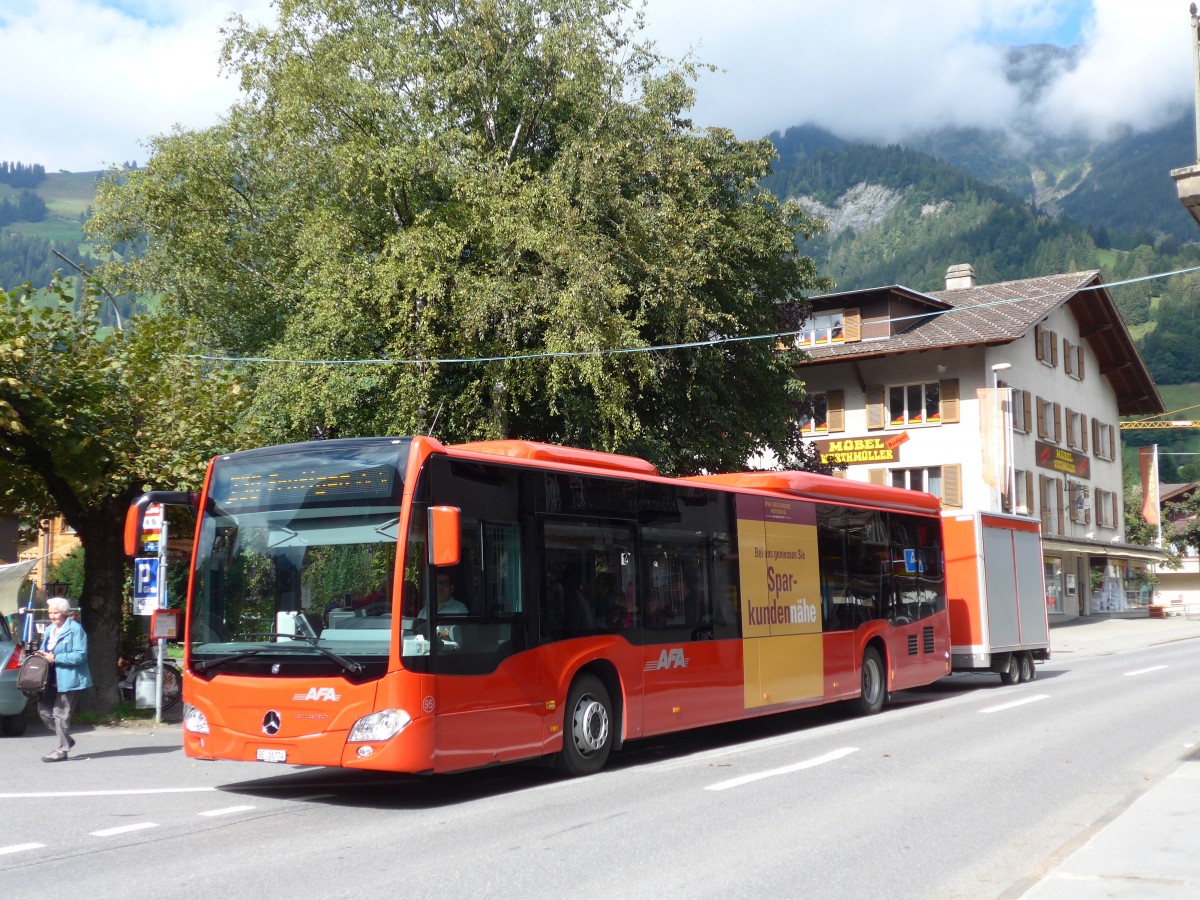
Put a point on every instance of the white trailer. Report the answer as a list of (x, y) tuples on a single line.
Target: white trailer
[(996, 594)]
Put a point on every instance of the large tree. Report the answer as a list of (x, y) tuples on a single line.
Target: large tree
[(89, 421), (509, 182)]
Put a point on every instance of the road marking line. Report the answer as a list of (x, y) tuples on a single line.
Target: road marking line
[(1021, 702), (129, 793), (20, 848), (226, 811), (122, 829), (1144, 671), (783, 770)]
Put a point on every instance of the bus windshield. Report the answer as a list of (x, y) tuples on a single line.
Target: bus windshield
[(296, 558)]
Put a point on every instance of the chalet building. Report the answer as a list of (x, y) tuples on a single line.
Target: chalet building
[(1179, 589), (992, 397)]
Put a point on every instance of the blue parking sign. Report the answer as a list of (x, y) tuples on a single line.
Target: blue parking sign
[(145, 585)]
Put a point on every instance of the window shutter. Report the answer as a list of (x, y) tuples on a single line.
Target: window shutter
[(1079, 362), (1083, 426), (1043, 500), (1111, 449), (1027, 412), (851, 325), (1041, 417), (835, 410), (1067, 356), (950, 405), (1058, 489), (1113, 520), (1096, 436), (1037, 341), (875, 416), (1070, 422), (1057, 423), (1029, 494), (1054, 349), (952, 485), (877, 476)]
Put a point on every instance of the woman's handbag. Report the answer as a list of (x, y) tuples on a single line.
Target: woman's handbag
[(34, 675)]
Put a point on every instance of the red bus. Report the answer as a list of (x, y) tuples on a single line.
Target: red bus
[(402, 605)]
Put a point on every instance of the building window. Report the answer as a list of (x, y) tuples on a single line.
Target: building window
[(1023, 493), (1104, 440), (1073, 359), (1078, 502), (816, 419), (1022, 411), (914, 404), (928, 479), (1049, 421), (823, 328), (1106, 508), (1046, 345), (944, 482), (1076, 430)]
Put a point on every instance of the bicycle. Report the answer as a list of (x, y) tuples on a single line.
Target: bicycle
[(147, 661)]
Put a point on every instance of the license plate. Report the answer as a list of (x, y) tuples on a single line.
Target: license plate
[(268, 755)]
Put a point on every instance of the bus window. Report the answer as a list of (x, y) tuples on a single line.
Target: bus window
[(587, 578)]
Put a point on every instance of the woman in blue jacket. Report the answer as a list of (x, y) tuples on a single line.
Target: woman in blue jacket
[(65, 645)]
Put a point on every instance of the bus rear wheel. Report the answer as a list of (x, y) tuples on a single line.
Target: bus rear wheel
[(874, 684), (588, 736)]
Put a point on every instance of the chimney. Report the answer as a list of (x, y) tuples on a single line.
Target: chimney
[(960, 276)]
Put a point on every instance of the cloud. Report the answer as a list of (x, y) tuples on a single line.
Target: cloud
[(101, 77), (879, 71), (104, 75)]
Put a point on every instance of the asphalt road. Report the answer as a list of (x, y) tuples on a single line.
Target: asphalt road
[(967, 789)]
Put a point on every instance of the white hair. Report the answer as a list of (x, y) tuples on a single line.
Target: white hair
[(60, 603)]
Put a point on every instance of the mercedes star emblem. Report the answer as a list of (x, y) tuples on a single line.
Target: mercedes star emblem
[(271, 723)]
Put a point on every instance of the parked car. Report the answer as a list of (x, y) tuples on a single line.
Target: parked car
[(12, 701)]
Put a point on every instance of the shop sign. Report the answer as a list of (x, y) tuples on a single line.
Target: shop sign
[(1059, 459), (858, 451)]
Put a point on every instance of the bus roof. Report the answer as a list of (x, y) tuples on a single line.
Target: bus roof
[(812, 486), (572, 456), (807, 485)]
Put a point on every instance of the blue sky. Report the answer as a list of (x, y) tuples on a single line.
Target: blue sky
[(110, 73)]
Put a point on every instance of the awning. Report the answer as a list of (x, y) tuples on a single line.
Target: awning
[(11, 578), (1105, 548)]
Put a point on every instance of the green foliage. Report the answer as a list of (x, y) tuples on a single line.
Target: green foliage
[(471, 180), (87, 422), (69, 570)]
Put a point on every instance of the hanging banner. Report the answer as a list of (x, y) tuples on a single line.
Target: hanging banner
[(1148, 459)]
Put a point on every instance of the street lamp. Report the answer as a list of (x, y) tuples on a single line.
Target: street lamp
[(56, 589), (1001, 436)]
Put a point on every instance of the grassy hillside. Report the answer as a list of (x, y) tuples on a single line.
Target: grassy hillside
[(67, 196)]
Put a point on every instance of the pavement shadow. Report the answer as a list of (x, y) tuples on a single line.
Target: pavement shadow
[(125, 751)]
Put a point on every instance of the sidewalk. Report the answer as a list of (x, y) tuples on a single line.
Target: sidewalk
[(1148, 849)]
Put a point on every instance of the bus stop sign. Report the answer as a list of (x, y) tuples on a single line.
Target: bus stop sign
[(145, 585)]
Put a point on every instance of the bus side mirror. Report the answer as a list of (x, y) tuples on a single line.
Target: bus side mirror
[(136, 514), (133, 528), (444, 547)]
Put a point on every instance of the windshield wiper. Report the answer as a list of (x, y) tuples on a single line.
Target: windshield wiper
[(355, 668), (205, 664)]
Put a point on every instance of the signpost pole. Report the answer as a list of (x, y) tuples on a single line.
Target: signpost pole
[(162, 604)]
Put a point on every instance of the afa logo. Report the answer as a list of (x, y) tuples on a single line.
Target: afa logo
[(315, 693), (668, 659)]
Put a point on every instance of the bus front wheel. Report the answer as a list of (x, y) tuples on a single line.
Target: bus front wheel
[(588, 736), (874, 688)]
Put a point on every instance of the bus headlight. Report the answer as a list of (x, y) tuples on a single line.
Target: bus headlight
[(194, 720), (381, 726)]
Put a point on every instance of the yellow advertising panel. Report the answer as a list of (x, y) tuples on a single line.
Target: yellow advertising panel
[(781, 601)]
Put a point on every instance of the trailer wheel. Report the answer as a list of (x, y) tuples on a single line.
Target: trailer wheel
[(1012, 674), (874, 684), (1026, 667)]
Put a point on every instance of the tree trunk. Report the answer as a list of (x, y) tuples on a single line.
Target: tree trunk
[(103, 600)]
